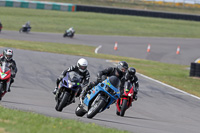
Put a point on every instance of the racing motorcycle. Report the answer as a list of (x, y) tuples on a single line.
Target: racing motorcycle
[(99, 98), (126, 99), (5, 78), (69, 33), (25, 29), (68, 89), (0, 28)]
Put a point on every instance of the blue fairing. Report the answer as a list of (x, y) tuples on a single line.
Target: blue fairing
[(73, 78), (101, 87)]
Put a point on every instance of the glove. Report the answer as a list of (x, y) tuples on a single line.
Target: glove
[(60, 77)]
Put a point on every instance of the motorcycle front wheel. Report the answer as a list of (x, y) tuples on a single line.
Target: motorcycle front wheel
[(20, 30), (1, 90), (123, 107), (95, 108), (61, 103)]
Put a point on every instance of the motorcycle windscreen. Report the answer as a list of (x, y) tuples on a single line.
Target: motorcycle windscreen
[(114, 81), (74, 77), (127, 86), (4, 67)]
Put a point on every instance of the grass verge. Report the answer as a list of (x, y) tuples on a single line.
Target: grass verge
[(172, 74), (97, 23), (15, 121)]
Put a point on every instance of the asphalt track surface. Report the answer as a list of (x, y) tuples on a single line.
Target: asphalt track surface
[(159, 109), (162, 49)]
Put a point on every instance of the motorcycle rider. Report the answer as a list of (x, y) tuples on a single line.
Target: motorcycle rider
[(27, 25), (81, 69), (70, 30), (7, 57), (130, 75), (1, 26), (118, 71)]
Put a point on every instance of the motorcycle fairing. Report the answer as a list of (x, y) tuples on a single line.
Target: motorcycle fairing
[(100, 88)]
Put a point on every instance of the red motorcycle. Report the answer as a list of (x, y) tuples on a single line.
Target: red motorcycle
[(126, 99), (5, 76)]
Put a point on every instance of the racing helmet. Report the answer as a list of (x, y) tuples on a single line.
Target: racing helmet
[(8, 54), (82, 64), (130, 73), (122, 67)]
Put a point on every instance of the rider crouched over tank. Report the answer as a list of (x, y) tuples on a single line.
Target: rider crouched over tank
[(118, 71), (130, 75), (81, 69), (7, 57)]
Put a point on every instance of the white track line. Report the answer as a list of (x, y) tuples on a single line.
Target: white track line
[(96, 50)]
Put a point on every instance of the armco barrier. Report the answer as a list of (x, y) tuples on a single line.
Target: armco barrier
[(38, 5), (110, 10)]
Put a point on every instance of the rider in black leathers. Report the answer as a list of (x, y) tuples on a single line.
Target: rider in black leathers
[(7, 56), (1, 26), (130, 75), (81, 69), (118, 71)]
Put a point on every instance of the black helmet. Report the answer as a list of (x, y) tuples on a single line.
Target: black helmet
[(122, 66), (130, 73)]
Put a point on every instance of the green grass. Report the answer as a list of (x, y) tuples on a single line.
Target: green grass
[(15, 121), (172, 74), (12, 121), (99, 24)]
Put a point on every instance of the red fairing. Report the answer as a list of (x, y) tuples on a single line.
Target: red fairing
[(128, 95), (7, 77)]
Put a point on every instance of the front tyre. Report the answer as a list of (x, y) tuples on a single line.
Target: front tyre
[(95, 108), (20, 30), (124, 107), (65, 34), (62, 102)]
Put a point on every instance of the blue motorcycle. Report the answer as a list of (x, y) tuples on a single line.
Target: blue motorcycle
[(68, 89), (99, 98)]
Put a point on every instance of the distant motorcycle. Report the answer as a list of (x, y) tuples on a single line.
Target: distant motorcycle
[(5, 77), (25, 29), (69, 33), (0, 28), (68, 89), (99, 98), (126, 99)]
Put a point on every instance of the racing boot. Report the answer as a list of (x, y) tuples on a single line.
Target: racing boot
[(83, 94), (11, 81), (55, 90), (135, 97)]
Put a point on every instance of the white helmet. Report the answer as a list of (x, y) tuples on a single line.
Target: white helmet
[(82, 64)]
